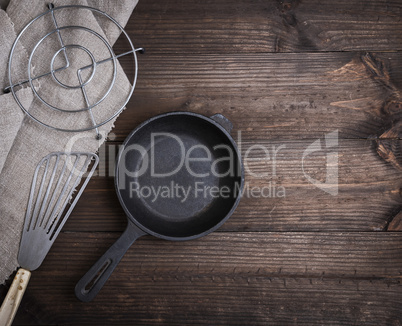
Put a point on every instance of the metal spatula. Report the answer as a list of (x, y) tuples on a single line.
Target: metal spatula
[(56, 178)]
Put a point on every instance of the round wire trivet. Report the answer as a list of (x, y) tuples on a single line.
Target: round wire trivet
[(82, 83)]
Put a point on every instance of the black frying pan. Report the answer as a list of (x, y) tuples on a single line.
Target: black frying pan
[(179, 176)]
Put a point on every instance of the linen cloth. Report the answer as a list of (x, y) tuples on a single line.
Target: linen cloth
[(11, 115), (25, 142)]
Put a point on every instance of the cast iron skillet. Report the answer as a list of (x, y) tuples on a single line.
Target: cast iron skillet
[(195, 164)]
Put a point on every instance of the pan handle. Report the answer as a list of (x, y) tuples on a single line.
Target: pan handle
[(223, 121), (92, 282)]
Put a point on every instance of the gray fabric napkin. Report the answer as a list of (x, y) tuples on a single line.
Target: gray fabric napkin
[(11, 115), (28, 142)]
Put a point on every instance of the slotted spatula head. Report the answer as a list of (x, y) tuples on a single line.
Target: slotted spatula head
[(57, 177)]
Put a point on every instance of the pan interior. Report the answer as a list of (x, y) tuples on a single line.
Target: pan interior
[(179, 176)]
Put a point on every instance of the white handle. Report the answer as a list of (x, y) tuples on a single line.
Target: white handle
[(13, 299)]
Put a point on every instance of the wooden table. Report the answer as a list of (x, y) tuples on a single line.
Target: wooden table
[(288, 74)]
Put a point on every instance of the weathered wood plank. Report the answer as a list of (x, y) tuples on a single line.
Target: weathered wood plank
[(244, 278), (272, 96), (395, 223), (224, 26), (278, 194)]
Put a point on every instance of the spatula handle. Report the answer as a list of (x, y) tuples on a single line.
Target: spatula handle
[(14, 296)]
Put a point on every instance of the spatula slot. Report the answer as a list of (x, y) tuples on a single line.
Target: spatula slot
[(58, 182)]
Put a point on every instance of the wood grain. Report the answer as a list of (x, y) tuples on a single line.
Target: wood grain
[(242, 278), (395, 223), (224, 26), (266, 96), (368, 190), (286, 73)]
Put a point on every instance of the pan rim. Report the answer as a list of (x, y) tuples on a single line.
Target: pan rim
[(134, 221)]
